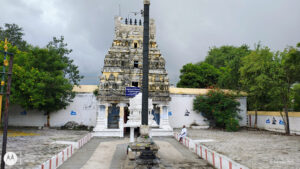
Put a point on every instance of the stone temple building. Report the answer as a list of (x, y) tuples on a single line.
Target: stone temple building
[(117, 102), (116, 108), (121, 79)]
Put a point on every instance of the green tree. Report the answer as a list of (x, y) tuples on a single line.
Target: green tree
[(228, 60), (71, 71), (220, 109), (43, 78), (256, 77), (201, 75), (296, 89), (39, 81), (286, 75), (14, 35)]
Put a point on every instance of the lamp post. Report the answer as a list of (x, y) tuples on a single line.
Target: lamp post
[(5, 62), (9, 74)]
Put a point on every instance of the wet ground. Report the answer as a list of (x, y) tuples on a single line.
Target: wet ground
[(110, 153)]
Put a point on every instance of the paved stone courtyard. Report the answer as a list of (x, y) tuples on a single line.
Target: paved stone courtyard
[(110, 153), (254, 149), (34, 146)]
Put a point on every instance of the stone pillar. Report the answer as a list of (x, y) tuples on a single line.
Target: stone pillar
[(131, 134), (121, 119), (101, 121), (106, 115), (160, 115)]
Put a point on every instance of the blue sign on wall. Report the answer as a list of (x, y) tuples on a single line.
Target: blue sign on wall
[(268, 121), (170, 113), (73, 113), (132, 91), (281, 122)]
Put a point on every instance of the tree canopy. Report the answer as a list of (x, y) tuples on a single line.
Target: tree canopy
[(256, 77), (226, 55), (14, 35), (271, 79), (43, 78), (199, 75), (224, 64)]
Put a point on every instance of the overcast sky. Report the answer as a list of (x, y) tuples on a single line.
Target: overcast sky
[(185, 28)]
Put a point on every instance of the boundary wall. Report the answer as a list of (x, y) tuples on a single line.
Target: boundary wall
[(272, 121)]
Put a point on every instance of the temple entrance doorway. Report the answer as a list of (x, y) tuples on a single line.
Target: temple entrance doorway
[(113, 117)]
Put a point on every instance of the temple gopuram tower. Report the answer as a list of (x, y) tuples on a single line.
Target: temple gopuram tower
[(121, 78)]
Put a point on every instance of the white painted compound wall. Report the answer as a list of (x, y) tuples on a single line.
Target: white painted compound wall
[(82, 110), (182, 103), (267, 123), (243, 111), (17, 116), (178, 106)]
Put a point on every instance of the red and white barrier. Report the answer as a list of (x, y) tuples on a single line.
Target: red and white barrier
[(215, 159), (57, 160), (84, 140)]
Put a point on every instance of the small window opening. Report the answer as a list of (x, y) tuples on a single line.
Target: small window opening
[(136, 84), (135, 45), (136, 64)]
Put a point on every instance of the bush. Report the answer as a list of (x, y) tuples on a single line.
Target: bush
[(232, 124), (219, 108)]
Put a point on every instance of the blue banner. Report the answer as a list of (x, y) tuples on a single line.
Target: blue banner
[(132, 91)]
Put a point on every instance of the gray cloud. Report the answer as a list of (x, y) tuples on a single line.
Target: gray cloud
[(185, 29)]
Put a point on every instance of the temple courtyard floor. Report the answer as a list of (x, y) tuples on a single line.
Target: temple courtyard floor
[(33, 146), (110, 153), (252, 148)]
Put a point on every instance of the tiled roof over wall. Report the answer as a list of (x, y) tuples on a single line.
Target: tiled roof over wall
[(173, 90), (85, 88)]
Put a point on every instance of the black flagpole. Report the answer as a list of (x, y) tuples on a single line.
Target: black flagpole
[(145, 64)]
